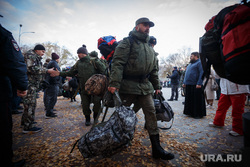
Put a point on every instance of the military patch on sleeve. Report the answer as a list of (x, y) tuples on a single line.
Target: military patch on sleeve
[(15, 45)]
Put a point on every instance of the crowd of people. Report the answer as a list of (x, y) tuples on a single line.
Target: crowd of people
[(133, 73), (200, 95)]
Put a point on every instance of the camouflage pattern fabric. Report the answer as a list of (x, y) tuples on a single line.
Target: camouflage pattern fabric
[(109, 137), (29, 104), (97, 85), (35, 70)]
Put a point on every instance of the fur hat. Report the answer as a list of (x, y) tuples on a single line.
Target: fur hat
[(82, 50), (54, 56)]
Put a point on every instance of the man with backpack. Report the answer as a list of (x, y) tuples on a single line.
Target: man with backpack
[(85, 67), (134, 74)]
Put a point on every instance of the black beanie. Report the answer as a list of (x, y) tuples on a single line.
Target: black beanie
[(39, 47), (82, 50), (54, 56), (152, 40)]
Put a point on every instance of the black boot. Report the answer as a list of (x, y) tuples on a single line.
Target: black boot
[(171, 99), (87, 122), (157, 150)]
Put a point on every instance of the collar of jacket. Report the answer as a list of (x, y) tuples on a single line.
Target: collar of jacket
[(140, 36), (86, 58), (34, 53)]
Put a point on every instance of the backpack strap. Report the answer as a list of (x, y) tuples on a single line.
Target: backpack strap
[(92, 61)]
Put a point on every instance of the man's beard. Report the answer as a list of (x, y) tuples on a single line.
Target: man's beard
[(192, 61)]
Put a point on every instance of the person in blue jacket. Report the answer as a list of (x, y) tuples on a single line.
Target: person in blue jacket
[(51, 91), (194, 98), (12, 73)]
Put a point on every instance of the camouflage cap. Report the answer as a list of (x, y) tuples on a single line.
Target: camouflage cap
[(144, 20)]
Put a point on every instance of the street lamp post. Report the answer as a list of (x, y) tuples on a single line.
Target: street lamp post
[(22, 34)]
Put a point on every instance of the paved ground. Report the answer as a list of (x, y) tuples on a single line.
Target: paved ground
[(188, 139)]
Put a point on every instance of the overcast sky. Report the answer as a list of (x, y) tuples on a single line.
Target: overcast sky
[(71, 23)]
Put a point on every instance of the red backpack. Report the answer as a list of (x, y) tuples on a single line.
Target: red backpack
[(226, 44)]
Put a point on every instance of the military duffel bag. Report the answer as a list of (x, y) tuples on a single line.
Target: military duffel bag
[(112, 136)]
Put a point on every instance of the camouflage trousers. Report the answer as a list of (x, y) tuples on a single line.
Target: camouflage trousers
[(148, 108), (29, 104), (87, 100)]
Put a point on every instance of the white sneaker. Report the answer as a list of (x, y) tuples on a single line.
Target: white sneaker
[(233, 133), (211, 124)]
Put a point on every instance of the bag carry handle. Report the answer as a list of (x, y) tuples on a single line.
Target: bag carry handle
[(118, 103), (169, 126), (117, 99)]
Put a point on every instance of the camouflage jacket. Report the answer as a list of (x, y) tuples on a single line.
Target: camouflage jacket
[(35, 68), (84, 69), (131, 63)]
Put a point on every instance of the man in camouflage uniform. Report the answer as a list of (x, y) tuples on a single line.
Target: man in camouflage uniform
[(134, 73), (35, 71), (84, 68)]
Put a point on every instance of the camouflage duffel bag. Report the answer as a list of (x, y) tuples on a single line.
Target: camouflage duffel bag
[(107, 138), (97, 85)]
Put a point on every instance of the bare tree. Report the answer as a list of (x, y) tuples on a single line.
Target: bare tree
[(179, 59), (66, 58)]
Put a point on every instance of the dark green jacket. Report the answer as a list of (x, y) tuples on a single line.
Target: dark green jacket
[(139, 61), (85, 68)]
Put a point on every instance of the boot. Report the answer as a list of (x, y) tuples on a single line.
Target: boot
[(171, 99), (87, 122), (157, 150)]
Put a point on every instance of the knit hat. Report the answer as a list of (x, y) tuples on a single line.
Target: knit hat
[(175, 68), (82, 50), (93, 54), (152, 40), (54, 56), (39, 47)]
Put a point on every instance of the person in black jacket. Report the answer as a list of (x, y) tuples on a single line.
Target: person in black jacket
[(51, 91), (174, 84), (12, 72)]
